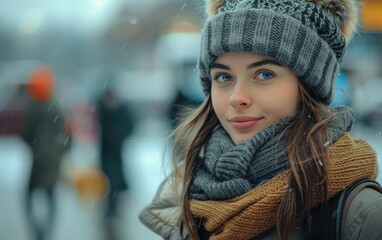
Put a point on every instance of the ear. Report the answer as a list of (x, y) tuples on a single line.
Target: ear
[(346, 11), (213, 6)]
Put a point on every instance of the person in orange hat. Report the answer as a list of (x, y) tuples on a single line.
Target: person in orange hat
[(41, 83), (43, 129)]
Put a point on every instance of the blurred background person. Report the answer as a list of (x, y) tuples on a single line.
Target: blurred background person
[(182, 101), (116, 124), (43, 129), (180, 63)]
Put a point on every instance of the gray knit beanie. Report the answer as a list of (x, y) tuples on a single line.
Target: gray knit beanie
[(309, 36)]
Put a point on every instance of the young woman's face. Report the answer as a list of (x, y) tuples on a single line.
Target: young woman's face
[(250, 92)]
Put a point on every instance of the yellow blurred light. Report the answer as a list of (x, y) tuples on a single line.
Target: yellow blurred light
[(371, 15), (31, 21)]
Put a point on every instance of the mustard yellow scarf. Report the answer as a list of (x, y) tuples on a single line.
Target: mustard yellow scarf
[(252, 213)]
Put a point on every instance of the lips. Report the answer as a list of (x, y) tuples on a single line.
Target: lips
[(243, 122)]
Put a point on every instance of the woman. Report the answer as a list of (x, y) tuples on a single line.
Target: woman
[(264, 157)]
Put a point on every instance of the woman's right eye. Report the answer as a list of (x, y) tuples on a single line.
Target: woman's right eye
[(222, 78)]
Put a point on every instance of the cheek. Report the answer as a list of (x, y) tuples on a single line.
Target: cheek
[(218, 103), (280, 104)]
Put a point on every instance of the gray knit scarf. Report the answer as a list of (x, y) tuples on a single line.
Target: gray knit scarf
[(226, 170)]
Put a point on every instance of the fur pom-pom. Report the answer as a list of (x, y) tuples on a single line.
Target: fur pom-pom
[(350, 24), (213, 6), (345, 10)]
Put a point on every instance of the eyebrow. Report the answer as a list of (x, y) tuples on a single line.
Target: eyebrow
[(252, 65), (262, 63)]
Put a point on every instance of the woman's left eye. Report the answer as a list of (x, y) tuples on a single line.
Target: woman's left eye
[(264, 75)]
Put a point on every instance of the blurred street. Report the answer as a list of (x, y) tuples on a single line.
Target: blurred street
[(77, 219)]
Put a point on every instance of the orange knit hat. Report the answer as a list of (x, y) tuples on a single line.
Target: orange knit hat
[(41, 83)]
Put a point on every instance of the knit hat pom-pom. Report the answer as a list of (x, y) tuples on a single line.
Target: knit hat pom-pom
[(345, 10), (213, 6)]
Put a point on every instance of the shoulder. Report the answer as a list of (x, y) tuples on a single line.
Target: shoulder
[(364, 217), (163, 214)]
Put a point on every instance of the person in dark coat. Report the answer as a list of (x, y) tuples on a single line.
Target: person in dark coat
[(43, 130), (116, 124)]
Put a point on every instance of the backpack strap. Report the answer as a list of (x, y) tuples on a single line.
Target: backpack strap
[(345, 200), (326, 221)]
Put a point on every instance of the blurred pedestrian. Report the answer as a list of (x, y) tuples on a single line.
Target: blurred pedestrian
[(265, 156), (116, 124), (43, 129), (179, 105)]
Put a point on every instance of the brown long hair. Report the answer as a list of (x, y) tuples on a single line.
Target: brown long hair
[(306, 139), (188, 139), (306, 146)]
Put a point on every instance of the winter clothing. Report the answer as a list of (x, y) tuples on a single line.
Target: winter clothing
[(233, 218), (43, 129), (41, 83), (116, 124), (256, 160), (229, 219), (163, 215), (236, 189), (310, 37)]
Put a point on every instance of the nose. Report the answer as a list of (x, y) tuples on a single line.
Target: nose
[(240, 97)]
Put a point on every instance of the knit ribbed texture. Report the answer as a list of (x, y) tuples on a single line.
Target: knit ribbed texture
[(228, 170), (252, 213), (296, 33)]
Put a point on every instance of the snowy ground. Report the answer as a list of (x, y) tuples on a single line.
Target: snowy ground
[(77, 220)]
